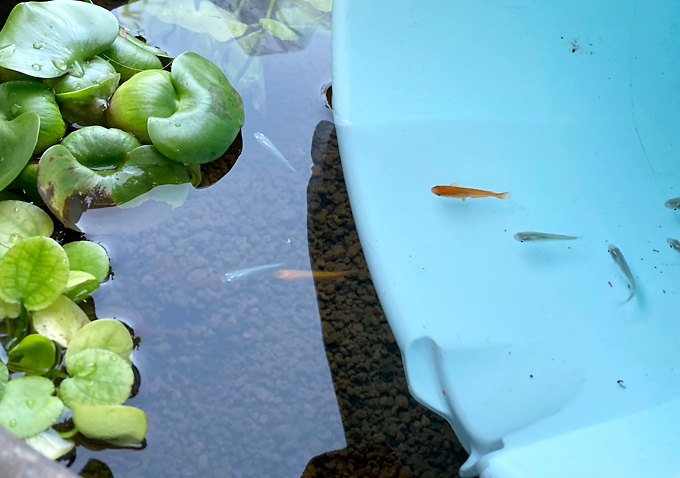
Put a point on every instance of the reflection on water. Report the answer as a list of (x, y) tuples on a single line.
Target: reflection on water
[(235, 374)]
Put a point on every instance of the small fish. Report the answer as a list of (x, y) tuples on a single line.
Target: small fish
[(674, 243), (293, 274), (673, 203), (453, 191), (234, 276), (531, 236), (263, 140), (617, 255)]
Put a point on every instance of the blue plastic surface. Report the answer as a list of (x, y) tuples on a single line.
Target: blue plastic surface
[(528, 349)]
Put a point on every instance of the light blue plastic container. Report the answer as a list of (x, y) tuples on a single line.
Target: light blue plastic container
[(528, 349)]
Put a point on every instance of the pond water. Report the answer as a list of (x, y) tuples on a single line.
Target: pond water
[(257, 375)]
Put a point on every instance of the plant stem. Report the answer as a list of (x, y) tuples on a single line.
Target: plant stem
[(238, 8), (270, 9)]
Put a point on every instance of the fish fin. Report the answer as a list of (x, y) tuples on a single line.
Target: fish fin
[(452, 184), (462, 199), (504, 195)]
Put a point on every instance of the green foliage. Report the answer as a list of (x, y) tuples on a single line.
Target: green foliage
[(28, 406), (129, 56), (106, 334), (60, 320), (18, 138), (116, 424), (20, 220), (35, 354)]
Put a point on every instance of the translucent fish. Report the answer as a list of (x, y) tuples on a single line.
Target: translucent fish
[(617, 255), (266, 142), (240, 274), (674, 243), (673, 203), (531, 236), (293, 274)]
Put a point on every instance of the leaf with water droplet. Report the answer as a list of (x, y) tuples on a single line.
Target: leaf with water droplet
[(107, 334), (18, 218), (74, 31), (35, 354), (22, 420), (33, 272), (60, 321), (95, 379)]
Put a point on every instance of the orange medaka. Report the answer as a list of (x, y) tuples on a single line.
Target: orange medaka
[(293, 274), (464, 193)]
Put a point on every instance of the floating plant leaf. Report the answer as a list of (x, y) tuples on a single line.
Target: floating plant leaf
[(69, 188), (60, 321), (115, 424), (26, 183), (321, 5), (50, 444), (89, 257), (128, 58), (21, 220), (84, 99), (97, 377), (34, 271), (17, 97), (9, 311), (99, 147), (279, 30), (18, 138), (80, 285), (34, 354), (29, 406), (107, 334), (47, 39)]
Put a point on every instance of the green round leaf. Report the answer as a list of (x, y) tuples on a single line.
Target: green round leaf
[(99, 147), (17, 142), (147, 94), (20, 220), (107, 334), (129, 58), (28, 406), (116, 424), (60, 321), (27, 183), (97, 377), (209, 113), (80, 285), (69, 188), (95, 71), (34, 271), (47, 39), (34, 354), (89, 257), (18, 97)]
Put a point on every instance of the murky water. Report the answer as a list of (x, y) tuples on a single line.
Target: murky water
[(257, 375)]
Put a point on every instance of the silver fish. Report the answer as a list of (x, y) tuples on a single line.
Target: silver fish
[(617, 255), (234, 276), (674, 243), (673, 203), (531, 236), (266, 142)]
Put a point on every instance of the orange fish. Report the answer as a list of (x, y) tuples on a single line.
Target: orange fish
[(453, 191), (293, 274)]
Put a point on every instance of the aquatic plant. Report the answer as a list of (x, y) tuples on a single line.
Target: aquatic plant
[(49, 337), (66, 61)]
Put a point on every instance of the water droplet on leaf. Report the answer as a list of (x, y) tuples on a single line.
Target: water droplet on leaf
[(77, 70), (16, 109), (36, 66), (37, 45), (178, 124), (13, 238), (12, 423), (60, 64), (30, 403), (88, 369)]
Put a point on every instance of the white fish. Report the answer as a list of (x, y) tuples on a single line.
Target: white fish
[(530, 236), (674, 243), (266, 142), (239, 274), (617, 255), (673, 203)]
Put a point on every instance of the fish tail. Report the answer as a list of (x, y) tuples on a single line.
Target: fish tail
[(504, 195)]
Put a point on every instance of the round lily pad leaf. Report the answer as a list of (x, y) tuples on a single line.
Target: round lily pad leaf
[(107, 334), (69, 188), (115, 424), (99, 147), (95, 71), (129, 58), (97, 377), (80, 285), (17, 141), (26, 182), (34, 354), (29, 406), (89, 257), (48, 39), (21, 220), (148, 94), (209, 113), (17, 97), (60, 321), (34, 271)]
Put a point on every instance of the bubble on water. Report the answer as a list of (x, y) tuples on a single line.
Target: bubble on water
[(37, 45), (36, 66), (12, 423), (30, 403)]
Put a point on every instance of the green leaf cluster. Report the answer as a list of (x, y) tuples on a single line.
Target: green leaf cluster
[(147, 117), (49, 337)]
